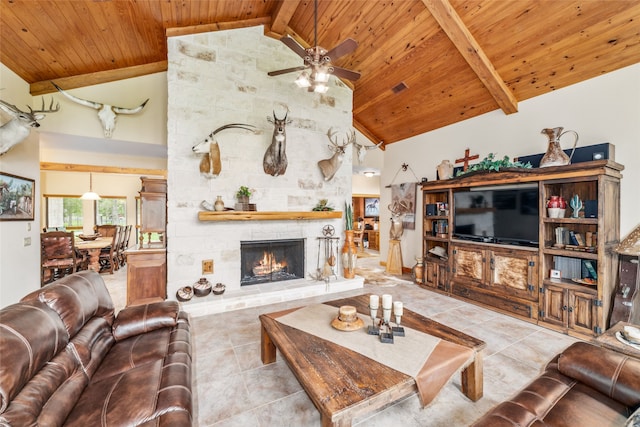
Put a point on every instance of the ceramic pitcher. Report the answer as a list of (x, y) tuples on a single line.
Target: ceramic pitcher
[(554, 155)]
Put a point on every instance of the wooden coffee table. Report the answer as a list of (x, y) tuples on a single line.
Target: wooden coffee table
[(343, 384)]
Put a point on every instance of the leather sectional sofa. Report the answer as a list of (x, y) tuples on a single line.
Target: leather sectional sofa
[(585, 385), (65, 359)]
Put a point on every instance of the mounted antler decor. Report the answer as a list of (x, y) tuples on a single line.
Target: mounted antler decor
[(17, 129), (106, 113), (330, 166), (211, 165), (275, 158)]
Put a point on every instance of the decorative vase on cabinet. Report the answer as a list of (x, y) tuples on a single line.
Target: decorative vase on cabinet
[(349, 255)]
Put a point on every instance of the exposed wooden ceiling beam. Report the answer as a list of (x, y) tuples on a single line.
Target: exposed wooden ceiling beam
[(44, 87), (471, 51), (282, 15), (366, 132), (66, 167), (217, 26)]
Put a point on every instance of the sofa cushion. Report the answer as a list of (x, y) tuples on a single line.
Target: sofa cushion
[(48, 398), (137, 395), (611, 373), (77, 298), (140, 319), (30, 336), (551, 400), (92, 343)]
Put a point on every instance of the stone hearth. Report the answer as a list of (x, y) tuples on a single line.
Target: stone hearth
[(269, 293)]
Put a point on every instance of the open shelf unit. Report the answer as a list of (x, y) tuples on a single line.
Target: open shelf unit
[(523, 281)]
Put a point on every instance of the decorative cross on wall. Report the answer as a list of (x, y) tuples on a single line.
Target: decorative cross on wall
[(466, 159)]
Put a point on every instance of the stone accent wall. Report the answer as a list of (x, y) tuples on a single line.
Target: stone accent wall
[(219, 78)]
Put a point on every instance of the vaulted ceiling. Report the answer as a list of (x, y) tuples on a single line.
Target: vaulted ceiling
[(456, 58)]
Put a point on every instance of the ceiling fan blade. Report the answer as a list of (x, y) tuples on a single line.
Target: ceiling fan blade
[(294, 45), (346, 74), (347, 46), (287, 70)]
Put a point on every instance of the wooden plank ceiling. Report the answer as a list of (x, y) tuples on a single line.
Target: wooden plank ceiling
[(457, 58)]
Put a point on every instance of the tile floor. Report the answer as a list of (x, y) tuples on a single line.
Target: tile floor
[(233, 388)]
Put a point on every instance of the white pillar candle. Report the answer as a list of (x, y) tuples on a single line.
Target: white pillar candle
[(397, 308), (374, 302), (386, 301)]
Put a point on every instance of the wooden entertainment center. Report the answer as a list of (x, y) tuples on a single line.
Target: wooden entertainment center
[(517, 280)]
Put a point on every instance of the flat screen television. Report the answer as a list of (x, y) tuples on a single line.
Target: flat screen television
[(371, 207), (501, 214)]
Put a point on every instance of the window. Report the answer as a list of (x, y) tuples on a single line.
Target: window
[(111, 210), (64, 211)]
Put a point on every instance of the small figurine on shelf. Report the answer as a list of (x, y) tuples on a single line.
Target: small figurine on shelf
[(576, 205)]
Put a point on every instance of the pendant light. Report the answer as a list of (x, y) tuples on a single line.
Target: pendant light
[(90, 195)]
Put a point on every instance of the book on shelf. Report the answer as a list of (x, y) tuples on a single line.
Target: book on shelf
[(572, 238), (588, 265)]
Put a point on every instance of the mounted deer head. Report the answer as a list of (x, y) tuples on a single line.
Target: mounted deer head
[(397, 209), (362, 150), (211, 165), (274, 162), (330, 166), (17, 129), (106, 113)]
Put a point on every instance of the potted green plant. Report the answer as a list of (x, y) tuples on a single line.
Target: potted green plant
[(243, 194)]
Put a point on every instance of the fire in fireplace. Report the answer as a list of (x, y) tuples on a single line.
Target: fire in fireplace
[(266, 261)]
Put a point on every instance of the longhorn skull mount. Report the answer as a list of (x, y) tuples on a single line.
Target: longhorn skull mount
[(362, 150), (107, 114)]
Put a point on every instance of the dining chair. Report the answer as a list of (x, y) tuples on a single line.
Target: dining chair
[(105, 230), (108, 258), (121, 245), (58, 255)]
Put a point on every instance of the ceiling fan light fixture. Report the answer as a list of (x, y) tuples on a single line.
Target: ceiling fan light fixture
[(320, 76), (303, 80)]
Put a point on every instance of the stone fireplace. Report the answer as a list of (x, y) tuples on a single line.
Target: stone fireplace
[(219, 78), (265, 261)]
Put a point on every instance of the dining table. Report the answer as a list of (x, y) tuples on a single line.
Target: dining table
[(92, 249)]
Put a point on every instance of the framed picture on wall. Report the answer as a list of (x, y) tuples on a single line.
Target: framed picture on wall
[(371, 207), (17, 195)]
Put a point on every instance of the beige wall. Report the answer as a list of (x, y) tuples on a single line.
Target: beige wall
[(19, 264)]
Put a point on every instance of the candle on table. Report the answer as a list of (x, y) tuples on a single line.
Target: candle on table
[(397, 308), (374, 302), (386, 301)]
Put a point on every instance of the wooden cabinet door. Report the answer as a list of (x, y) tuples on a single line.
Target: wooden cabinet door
[(469, 264), (146, 276), (555, 305), (443, 278), (431, 274), (582, 311), (514, 273), (154, 212)]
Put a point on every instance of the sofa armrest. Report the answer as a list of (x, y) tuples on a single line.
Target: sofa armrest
[(611, 373), (139, 319)]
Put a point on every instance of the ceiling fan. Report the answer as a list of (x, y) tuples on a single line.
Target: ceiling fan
[(317, 61)]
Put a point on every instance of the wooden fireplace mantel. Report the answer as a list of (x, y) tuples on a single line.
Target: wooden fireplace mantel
[(266, 215)]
